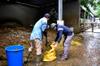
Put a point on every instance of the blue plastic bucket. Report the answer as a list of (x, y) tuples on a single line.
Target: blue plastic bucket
[(14, 55)]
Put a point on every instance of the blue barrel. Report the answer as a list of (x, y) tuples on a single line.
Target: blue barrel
[(14, 55)]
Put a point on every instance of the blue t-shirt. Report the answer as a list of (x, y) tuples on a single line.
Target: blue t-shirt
[(62, 30), (38, 29)]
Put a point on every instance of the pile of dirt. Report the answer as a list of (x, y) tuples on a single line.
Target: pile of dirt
[(12, 36)]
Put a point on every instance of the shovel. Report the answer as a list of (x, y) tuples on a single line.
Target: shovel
[(46, 42), (27, 59)]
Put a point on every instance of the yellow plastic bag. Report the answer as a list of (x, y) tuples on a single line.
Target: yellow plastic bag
[(75, 43), (50, 55)]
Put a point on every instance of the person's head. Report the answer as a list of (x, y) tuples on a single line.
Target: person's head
[(47, 15), (53, 25)]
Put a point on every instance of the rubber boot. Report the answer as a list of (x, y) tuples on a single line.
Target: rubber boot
[(38, 60)]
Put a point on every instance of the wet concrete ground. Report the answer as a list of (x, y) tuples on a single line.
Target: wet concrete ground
[(92, 48), (84, 51)]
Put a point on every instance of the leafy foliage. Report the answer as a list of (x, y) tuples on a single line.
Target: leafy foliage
[(98, 8), (95, 4), (86, 2)]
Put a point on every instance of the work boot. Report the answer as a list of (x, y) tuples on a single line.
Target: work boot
[(64, 57), (38, 60)]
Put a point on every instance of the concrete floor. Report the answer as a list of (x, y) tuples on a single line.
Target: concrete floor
[(86, 53), (84, 50), (96, 29)]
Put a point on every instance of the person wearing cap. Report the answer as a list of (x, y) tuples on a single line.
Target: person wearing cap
[(68, 35), (37, 35)]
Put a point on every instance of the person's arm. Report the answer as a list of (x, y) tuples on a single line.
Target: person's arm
[(44, 27), (59, 36), (31, 46), (44, 30)]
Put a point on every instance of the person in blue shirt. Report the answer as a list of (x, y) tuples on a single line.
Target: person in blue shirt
[(37, 35), (68, 34)]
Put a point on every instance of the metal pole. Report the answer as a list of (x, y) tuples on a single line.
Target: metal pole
[(60, 13), (60, 9)]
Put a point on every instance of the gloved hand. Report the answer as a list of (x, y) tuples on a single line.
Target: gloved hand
[(55, 44), (30, 49)]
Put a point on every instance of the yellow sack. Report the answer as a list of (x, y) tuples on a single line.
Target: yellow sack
[(50, 55), (75, 43)]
